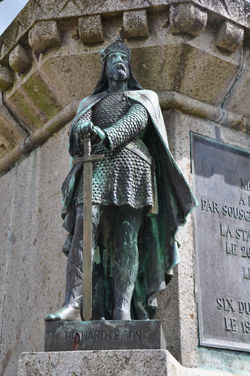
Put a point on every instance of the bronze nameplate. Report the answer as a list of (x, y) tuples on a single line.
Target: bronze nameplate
[(104, 335)]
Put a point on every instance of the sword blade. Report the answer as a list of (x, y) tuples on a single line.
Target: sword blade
[(87, 241), (87, 161)]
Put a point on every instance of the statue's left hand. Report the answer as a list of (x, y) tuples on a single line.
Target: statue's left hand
[(100, 133)]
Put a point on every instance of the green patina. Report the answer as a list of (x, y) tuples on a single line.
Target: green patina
[(97, 257)]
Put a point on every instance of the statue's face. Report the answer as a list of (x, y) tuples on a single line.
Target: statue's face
[(117, 66)]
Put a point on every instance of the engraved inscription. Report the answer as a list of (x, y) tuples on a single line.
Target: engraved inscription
[(103, 335), (231, 323), (225, 304), (230, 232), (222, 241)]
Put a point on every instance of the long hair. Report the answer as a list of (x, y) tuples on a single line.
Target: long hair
[(102, 84)]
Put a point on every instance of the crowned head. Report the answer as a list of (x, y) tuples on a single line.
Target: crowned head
[(116, 59), (118, 46)]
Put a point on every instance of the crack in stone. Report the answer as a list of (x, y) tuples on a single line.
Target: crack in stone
[(236, 80)]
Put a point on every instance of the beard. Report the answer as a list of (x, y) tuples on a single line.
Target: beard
[(119, 72)]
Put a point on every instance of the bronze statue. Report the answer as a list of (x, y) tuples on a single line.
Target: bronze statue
[(140, 198)]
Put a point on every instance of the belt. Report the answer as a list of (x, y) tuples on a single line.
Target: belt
[(140, 153)]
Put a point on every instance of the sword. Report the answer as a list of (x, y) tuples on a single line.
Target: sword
[(87, 161)]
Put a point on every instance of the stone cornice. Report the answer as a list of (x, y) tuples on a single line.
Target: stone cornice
[(168, 101), (41, 10)]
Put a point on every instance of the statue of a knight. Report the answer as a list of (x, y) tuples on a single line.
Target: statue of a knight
[(140, 198)]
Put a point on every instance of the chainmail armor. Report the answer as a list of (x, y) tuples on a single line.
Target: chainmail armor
[(86, 118), (121, 177), (128, 126)]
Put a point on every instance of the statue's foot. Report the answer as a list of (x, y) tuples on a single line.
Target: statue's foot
[(120, 314), (66, 313), (141, 312)]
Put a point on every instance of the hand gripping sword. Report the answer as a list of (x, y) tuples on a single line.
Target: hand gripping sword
[(87, 161)]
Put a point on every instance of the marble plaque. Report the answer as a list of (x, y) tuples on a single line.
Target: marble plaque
[(221, 177)]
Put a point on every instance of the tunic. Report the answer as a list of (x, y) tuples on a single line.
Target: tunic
[(121, 177)]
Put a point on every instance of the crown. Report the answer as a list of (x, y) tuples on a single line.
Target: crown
[(117, 46)]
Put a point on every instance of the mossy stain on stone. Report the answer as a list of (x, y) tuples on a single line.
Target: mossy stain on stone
[(41, 95), (24, 108)]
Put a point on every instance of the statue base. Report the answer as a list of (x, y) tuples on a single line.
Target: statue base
[(108, 362), (104, 335)]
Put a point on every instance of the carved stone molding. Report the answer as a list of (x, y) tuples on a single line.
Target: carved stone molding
[(6, 77), (44, 10), (229, 37), (187, 19), (19, 59), (135, 24), (90, 29), (44, 35)]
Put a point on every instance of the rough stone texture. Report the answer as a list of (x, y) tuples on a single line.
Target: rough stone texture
[(236, 100), (187, 19), (161, 62), (19, 59), (35, 102), (41, 10), (11, 134), (230, 37), (32, 274), (6, 78), (44, 35), (108, 363), (135, 24), (90, 29)]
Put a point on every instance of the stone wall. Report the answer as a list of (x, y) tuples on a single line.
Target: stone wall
[(33, 267), (195, 55), (179, 126)]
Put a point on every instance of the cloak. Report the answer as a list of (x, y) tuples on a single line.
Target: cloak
[(158, 248)]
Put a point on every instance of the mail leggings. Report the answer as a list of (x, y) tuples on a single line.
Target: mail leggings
[(122, 224)]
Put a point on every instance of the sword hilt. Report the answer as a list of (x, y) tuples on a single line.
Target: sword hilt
[(87, 145), (87, 152)]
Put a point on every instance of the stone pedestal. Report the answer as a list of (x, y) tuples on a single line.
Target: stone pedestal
[(108, 363)]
